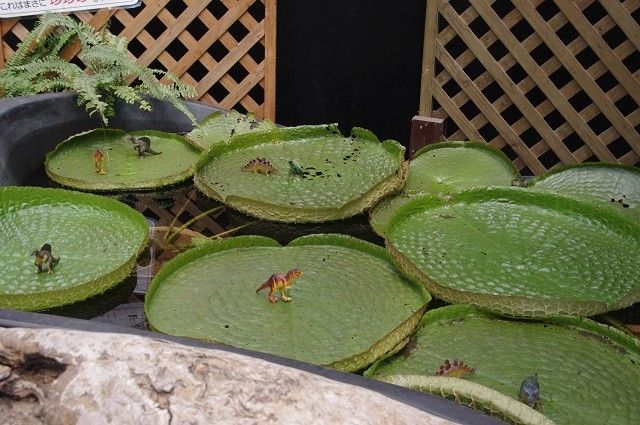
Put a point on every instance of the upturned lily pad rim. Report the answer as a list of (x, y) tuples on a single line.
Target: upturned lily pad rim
[(192, 141), (467, 391), (566, 167), (473, 394), (148, 185), (350, 364), (472, 144), (213, 116), (287, 214), (511, 305), (43, 300), (405, 195)]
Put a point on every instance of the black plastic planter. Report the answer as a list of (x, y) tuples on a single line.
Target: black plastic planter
[(32, 126)]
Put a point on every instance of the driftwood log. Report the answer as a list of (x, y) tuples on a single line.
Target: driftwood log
[(55, 376)]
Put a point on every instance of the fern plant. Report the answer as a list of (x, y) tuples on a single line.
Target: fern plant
[(36, 67)]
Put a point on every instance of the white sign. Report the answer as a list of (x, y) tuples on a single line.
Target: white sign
[(17, 8)]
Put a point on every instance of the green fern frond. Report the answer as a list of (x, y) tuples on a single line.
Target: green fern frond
[(36, 67)]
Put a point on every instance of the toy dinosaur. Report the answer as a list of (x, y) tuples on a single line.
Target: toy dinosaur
[(280, 282), (143, 145), (45, 261), (457, 369), (530, 392), (259, 166), (98, 162), (294, 168)]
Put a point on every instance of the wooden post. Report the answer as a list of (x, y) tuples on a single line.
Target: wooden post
[(1, 46), (424, 131), (428, 57), (270, 60)]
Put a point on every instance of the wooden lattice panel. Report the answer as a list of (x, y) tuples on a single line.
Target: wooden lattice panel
[(546, 81), (225, 48)]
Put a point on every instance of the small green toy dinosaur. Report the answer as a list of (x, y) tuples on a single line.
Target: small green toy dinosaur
[(280, 282), (294, 168)]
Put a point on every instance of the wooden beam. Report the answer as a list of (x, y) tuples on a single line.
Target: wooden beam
[(270, 60), (1, 48), (428, 57), (542, 81)]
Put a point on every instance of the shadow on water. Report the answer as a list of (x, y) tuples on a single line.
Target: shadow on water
[(98, 304)]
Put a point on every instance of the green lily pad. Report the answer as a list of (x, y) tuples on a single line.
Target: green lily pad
[(96, 239), (446, 168), (71, 162), (348, 308), (614, 184), (520, 252), (587, 372), (220, 127), (340, 177)]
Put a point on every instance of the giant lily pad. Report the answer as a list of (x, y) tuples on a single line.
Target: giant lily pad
[(71, 162), (520, 252), (339, 177), (348, 308), (96, 239), (220, 127), (614, 184), (445, 168), (586, 371)]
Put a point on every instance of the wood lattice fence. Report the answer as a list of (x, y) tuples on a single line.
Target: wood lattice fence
[(225, 48), (546, 81)]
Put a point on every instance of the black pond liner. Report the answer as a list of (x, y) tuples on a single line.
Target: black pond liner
[(31, 126)]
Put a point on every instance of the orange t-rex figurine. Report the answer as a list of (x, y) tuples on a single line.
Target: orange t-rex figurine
[(280, 282), (98, 161)]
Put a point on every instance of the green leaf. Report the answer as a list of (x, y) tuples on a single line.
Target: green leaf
[(585, 370), (614, 184), (342, 176), (349, 307), (220, 127), (97, 240), (71, 162), (519, 252)]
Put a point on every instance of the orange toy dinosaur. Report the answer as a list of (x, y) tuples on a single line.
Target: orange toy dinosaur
[(280, 282), (98, 161)]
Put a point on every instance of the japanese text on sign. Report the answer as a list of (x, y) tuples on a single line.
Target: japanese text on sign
[(16, 8)]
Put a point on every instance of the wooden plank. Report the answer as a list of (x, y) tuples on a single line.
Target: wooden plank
[(173, 30), (454, 113), (550, 66), (516, 96), (270, 60), (1, 48), (138, 24), (247, 84), (623, 18), (545, 107), (601, 48), (576, 70), (543, 82), (216, 30), (228, 61), (428, 57), (492, 115)]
